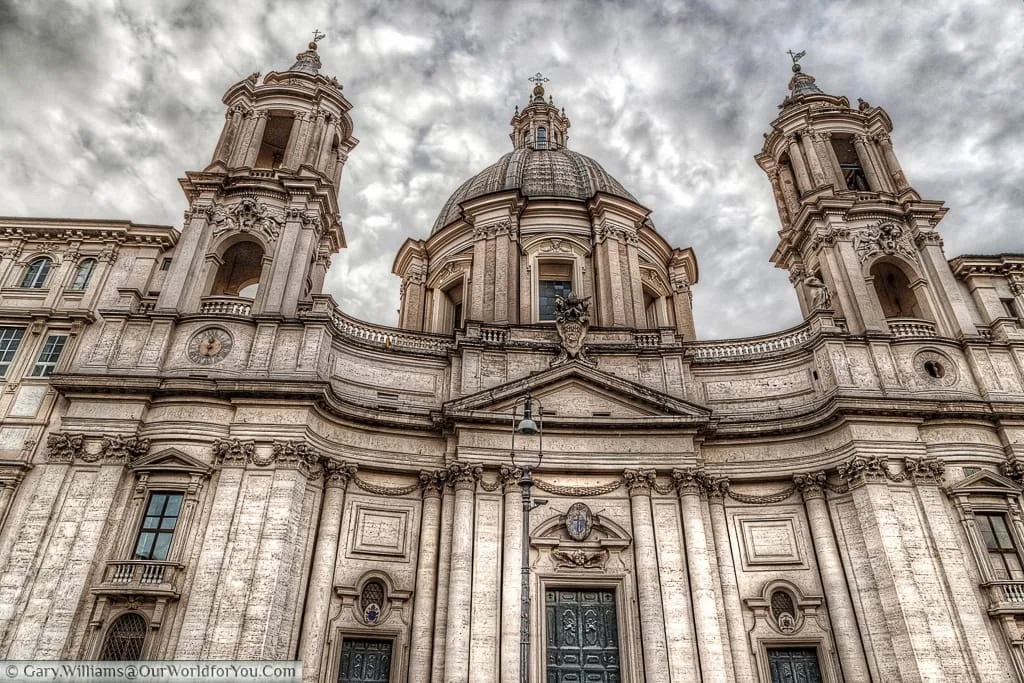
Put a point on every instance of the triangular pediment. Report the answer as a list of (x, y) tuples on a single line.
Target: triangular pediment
[(171, 460), (985, 482), (575, 393)]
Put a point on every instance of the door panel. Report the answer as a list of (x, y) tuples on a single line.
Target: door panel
[(365, 661), (794, 665), (582, 636)]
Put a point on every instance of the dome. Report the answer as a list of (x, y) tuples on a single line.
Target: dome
[(536, 173)]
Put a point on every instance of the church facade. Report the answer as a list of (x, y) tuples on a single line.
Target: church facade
[(202, 457)]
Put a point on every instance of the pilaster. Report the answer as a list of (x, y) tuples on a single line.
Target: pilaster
[(464, 478)]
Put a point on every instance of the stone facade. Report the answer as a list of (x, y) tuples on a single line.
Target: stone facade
[(841, 498)]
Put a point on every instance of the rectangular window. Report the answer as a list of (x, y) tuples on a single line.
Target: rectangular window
[(165, 264), (554, 279), (48, 357), (154, 540), (1003, 557), (10, 340), (275, 141), (1010, 306), (849, 163)]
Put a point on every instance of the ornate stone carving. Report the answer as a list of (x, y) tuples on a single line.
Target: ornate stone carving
[(811, 484), (297, 455), (579, 558), (690, 481), (572, 320), (579, 522), (717, 489), (462, 475), (509, 476), (61, 447), (492, 229), (821, 297), (432, 482), (248, 215), (608, 230), (863, 470), (1013, 469), (233, 451), (338, 474), (640, 482), (123, 448), (924, 470), (1015, 281), (886, 237)]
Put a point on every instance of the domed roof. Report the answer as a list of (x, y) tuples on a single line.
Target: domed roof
[(536, 173)]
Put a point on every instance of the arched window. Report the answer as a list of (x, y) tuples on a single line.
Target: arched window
[(239, 274), (83, 275), (35, 275), (542, 138), (125, 638), (894, 292), (372, 600)]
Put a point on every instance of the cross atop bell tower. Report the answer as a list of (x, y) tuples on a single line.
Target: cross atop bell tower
[(263, 217)]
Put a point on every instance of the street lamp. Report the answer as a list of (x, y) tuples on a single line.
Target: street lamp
[(527, 458)]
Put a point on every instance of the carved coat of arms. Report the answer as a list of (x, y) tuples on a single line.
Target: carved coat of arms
[(572, 320)]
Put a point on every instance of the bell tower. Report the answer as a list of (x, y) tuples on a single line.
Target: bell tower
[(856, 237), (263, 216)]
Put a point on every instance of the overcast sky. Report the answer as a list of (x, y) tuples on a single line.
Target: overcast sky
[(105, 104)]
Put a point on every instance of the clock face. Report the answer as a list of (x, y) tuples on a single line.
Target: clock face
[(209, 346)]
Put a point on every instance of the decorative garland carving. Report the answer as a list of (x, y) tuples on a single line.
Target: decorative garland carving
[(67, 448), (577, 491), (123, 448), (766, 499), (381, 490)]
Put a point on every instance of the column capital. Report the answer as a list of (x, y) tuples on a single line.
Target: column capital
[(639, 482), (1013, 469), (338, 474), (717, 489), (811, 485), (509, 476), (690, 481), (924, 470), (860, 470), (463, 476), (432, 482)]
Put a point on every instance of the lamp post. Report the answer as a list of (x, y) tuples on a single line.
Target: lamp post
[(526, 462)]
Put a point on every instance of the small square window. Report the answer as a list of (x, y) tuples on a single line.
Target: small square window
[(157, 530), (10, 340), (49, 355)]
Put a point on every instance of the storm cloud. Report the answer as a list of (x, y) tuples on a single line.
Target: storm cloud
[(106, 104)]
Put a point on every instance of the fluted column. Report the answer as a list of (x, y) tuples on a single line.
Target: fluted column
[(860, 143), (817, 171), (511, 573), (321, 577), (652, 612), (894, 168), (432, 484), (840, 607), (796, 158), (460, 578), (741, 659), (690, 487)]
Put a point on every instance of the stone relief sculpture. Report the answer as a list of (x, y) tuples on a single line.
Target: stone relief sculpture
[(247, 215), (572, 320), (884, 237)]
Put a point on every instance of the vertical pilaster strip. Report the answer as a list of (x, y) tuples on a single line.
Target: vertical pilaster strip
[(443, 575), (252, 151), (652, 612), (846, 633), (426, 578), (477, 277), (460, 580), (741, 656), (510, 573), (690, 487)]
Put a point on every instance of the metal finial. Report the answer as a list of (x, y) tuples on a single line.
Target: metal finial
[(318, 36), (538, 78), (796, 58)]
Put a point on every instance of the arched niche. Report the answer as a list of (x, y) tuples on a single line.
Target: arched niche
[(901, 291), (239, 268)]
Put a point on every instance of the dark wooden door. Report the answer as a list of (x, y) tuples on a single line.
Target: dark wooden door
[(365, 661), (582, 636), (794, 665)]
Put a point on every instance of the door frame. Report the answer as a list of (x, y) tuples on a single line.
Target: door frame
[(334, 661), (630, 656)]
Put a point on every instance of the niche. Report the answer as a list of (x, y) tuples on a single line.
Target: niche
[(894, 292), (275, 140), (239, 274)]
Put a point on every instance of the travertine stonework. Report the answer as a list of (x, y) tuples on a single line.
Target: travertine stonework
[(828, 488)]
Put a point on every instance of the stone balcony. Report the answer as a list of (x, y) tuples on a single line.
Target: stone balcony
[(142, 577), (1005, 597), (226, 305), (911, 327)]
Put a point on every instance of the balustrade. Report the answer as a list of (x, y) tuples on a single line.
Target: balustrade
[(226, 305), (911, 327)]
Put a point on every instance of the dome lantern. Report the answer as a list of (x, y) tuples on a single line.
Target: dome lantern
[(540, 125)]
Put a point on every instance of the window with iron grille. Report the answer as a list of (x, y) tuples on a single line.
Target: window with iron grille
[(83, 274), (35, 274), (554, 279), (1003, 557), (154, 541), (10, 340), (125, 638), (49, 355)]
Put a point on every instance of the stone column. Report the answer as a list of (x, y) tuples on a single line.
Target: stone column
[(321, 576), (796, 158), (895, 170), (817, 171), (257, 139), (426, 577), (823, 142), (860, 144), (789, 189), (690, 487), (240, 148), (780, 198), (510, 573), (460, 579), (741, 659), (846, 633), (323, 155), (443, 567), (649, 605)]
